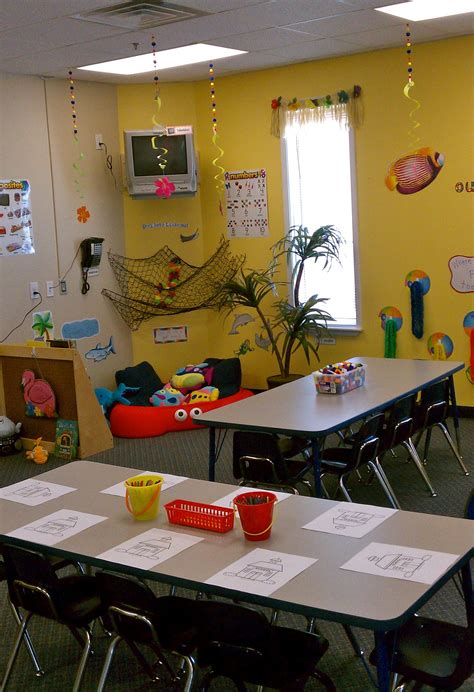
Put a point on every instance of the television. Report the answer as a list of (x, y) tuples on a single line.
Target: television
[(161, 153)]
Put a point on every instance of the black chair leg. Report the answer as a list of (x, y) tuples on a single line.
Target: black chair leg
[(324, 680)]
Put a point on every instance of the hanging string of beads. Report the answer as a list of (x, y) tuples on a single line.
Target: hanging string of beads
[(409, 60), (219, 176), (83, 214)]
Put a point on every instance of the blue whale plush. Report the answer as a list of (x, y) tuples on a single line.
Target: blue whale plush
[(107, 398)]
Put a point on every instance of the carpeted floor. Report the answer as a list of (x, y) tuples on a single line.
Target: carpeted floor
[(186, 454)]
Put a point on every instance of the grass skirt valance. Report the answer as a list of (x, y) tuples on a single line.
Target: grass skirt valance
[(345, 106)]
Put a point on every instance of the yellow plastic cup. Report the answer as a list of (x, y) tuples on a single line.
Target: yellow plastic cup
[(142, 496)]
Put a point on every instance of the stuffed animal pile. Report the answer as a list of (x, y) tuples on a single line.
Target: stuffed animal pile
[(189, 385)]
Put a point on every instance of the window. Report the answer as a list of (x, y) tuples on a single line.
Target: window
[(320, 186)]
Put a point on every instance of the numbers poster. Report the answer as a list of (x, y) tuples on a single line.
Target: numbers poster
[(246, 201), (16, 234)]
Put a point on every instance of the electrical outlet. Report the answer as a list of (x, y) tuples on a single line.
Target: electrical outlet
[(98, 141), (34, 290), (63, 287), (50, 289)]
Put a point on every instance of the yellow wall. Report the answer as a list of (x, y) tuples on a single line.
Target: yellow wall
[(396, 233)]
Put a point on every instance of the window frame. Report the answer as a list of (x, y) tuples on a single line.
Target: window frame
[(341, 329)]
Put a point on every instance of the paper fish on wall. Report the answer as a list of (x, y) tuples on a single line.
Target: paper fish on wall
[(414, 171), (101, 352)]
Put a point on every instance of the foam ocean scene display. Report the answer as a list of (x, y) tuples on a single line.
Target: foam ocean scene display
[(414, 171)]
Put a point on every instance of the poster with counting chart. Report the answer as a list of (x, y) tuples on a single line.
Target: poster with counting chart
[(246, 203)]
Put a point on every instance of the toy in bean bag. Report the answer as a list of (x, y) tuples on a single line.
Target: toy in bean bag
[(168, 396), (204, 394), (107, 398), (192, 377)]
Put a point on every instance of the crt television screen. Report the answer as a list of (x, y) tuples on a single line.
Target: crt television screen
[(155, 155)]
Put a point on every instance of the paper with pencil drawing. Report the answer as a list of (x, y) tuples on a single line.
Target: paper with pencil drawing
[(149, 548), (400, 562), (168, 481), (261, 571), (34, 492), (56, 527), (350, 519)]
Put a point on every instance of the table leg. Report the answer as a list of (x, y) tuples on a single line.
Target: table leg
[(316, 452), (452, 394), (212, 454), (383, 670), (466, 580)]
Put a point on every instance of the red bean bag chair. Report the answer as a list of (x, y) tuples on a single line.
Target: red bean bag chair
[(151, 421)]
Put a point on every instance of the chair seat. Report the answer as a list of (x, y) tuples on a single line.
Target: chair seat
[(292, 446), (336, 459), (78, 599), (292, 658), (429, 651)]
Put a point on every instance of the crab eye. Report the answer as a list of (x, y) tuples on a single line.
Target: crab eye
[(195, 412), (180, 415)]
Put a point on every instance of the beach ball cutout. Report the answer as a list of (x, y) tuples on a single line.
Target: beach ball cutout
[(440, 346), (418, 276), (389, 312), (468, 322)]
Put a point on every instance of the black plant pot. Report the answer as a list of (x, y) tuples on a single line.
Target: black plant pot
[(277, 380)]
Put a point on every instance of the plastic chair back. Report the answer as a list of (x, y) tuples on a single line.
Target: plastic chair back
[(256, 457), (399, 425), (366, 440), (32, 581)]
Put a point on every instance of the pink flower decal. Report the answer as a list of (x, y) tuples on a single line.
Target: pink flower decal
[(164, 187)]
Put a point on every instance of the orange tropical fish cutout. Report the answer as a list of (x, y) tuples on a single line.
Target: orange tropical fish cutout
[(414, 171)]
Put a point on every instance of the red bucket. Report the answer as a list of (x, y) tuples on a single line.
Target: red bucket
[(256, 514)]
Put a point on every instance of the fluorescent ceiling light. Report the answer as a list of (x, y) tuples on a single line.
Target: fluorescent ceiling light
[(417, 10), (175, 57)]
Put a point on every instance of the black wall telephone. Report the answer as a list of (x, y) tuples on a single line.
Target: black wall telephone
[(91, 249)]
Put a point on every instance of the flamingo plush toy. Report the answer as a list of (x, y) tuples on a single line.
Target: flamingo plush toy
[(38, 395)]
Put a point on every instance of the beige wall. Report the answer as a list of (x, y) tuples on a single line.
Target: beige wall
[(37, 144)]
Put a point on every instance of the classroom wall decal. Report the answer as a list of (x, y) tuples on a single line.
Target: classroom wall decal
[(100, 352), (419, 284), (440, 346), (462, 273), (468, 325), (81, 329), (391, 321), (16, 232), (246, 202), (43, 325)]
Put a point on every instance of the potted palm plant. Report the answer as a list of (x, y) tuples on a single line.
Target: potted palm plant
[(289, 326)]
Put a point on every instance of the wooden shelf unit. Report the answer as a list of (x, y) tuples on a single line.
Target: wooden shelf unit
[(75, 398)]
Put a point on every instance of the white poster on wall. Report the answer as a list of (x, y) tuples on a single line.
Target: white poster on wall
[(16, 232), (246, 202)]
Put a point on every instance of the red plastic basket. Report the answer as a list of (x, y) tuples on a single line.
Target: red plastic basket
[(200, 516)]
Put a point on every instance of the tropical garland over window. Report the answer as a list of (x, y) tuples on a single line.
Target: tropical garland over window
[(345, 106)]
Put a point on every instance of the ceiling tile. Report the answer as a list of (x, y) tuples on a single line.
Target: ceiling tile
[(347, 23), (22, 13), (392, 36), (314, 49)]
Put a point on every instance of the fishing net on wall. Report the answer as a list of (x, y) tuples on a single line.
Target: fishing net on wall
[(164, 284)]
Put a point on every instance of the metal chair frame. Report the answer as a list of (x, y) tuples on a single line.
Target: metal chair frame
[(19, 586)]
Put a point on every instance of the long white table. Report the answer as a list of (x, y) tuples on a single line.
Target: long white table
[(323, 590), (296, 408)]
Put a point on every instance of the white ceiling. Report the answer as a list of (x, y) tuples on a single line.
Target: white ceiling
[(42, 37)]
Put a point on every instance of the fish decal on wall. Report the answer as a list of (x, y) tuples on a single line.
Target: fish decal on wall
[(240, 321), (414, 171), (101, 352), (187, 238), (261, 342)]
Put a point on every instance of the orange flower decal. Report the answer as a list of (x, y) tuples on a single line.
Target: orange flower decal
[(83, 215)]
